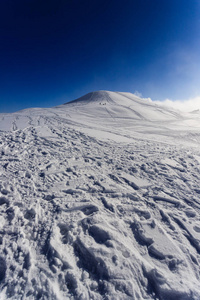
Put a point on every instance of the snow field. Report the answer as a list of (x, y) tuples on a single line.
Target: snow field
[(85, 217)]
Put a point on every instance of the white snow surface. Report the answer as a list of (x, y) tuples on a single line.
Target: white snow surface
[(100, 199)]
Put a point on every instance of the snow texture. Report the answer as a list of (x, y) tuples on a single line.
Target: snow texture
[(99, 199)]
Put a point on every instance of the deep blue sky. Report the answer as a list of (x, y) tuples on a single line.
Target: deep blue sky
[(52, 51)]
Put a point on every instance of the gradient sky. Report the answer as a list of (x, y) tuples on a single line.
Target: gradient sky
[(53, 51)]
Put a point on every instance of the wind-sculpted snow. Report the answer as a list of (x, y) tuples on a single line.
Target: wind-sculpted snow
[(107, 211)]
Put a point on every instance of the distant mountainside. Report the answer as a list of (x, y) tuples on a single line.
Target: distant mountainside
[(124, 114), (122, 106)]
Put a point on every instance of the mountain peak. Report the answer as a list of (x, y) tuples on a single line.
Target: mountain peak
[(120, 106), (95, 96)]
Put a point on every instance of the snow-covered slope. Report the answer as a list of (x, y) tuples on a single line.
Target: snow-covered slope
[(99, 199)]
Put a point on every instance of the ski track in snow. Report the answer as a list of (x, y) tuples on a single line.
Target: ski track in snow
[(85, 217)]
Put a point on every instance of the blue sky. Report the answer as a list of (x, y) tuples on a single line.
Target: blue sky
[(53, 51)]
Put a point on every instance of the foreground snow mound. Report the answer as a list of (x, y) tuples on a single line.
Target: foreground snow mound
[(93, 207)]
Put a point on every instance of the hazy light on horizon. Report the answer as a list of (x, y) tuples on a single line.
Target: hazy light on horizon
[(189, 105)]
